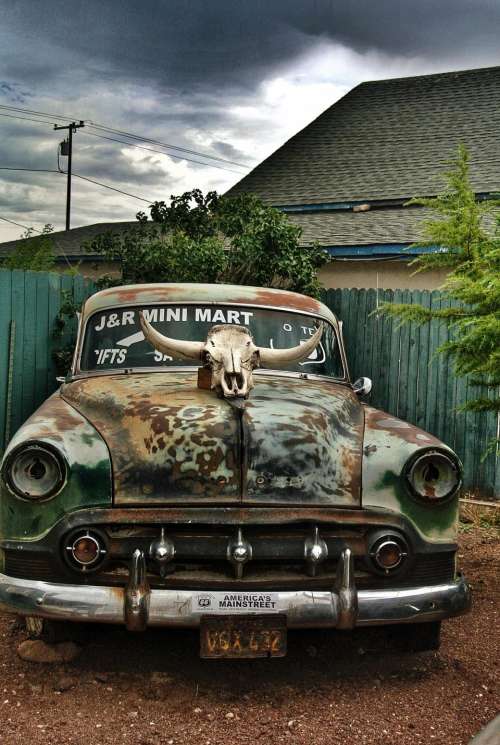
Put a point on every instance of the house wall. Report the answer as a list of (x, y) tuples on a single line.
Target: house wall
[(387, 275), (358, 274)]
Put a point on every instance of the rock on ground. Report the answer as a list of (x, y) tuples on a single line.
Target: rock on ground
[(36, 650)]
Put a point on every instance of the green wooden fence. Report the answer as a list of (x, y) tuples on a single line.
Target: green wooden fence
[(408, 379), (412, 382), (29, 304)]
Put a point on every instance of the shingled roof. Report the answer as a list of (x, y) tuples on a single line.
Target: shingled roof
[(386, 140), (71, 243)]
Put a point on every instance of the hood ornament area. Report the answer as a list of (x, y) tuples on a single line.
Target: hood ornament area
[(230, 355)]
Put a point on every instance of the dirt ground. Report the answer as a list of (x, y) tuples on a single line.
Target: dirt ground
[(331, 688)]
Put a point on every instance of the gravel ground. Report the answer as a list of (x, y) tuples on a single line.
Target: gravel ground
[(331, 688)]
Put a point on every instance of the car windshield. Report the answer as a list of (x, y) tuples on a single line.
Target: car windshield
[(114, 340)]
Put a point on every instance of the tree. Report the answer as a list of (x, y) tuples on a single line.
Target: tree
[(34, 252), (208, 238), (470, 245)]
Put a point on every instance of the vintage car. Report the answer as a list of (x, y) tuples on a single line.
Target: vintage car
[(208, 463)]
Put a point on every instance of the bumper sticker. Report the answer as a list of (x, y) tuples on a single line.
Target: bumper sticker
[(235, 602)]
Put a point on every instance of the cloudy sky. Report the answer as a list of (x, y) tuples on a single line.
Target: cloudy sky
[(231, 79)]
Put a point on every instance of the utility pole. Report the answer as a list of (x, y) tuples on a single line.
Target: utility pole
[(71, 128)]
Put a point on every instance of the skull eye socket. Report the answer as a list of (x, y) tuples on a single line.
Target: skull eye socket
[(248, 343), (212, 342)]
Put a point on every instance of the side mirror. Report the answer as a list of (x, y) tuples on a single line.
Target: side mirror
[(362, 386)]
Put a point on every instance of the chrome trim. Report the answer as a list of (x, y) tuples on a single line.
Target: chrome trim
[(162, 551), (346, 591), (315, 551), (137, 594), (96, 543), (380, 546), (304, 608), (84, 319), (239, 552)]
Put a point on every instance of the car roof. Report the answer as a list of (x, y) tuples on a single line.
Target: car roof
[(220, 294)]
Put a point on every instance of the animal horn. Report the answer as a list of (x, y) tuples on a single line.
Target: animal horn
[(277, 357), (172, 347)]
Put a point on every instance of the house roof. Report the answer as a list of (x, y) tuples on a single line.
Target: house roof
[(347, 228), (388, 139), (70, 242)]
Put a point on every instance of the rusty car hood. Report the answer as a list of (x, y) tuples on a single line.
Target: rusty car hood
[(294, 441)]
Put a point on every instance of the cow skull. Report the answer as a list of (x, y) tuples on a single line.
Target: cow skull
[(231, 354)]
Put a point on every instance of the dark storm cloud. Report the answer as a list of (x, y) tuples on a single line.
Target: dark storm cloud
[(186, 44), (200, 74)]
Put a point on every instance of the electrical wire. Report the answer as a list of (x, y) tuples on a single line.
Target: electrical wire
[(160, 152), (24, 118), (165, 144), (30, 170), (131, 135), (84, 178), (133, 144), (106, 186), (39, 113), (19, 224)]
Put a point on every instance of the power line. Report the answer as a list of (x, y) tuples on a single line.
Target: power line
[(160, 152), (25, 118), (34, 111), (165, 144), (19, 224), (30, 170), (106, 186), (77, 175), (131, 135)]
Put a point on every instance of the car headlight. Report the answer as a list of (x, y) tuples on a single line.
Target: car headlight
[(34, 471), (433, 476)]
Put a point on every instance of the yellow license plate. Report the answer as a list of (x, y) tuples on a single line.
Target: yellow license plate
[(242, 637)]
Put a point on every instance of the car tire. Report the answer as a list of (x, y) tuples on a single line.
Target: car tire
[(415, 637)]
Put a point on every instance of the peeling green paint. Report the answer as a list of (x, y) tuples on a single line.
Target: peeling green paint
[(89, 471), (426, 518), (388, 444)]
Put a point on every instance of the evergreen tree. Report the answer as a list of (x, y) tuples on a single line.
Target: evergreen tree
[(464, 228)]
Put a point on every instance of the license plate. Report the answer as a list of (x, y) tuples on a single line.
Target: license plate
[(240, 637)]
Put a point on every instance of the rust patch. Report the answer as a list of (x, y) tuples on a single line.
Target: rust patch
[(296, 442), (204, 378), (232, 515), (394, 427), (286, 299), (202, 293), (168, 441)]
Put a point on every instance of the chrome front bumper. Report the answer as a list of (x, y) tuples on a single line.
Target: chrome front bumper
[(137, 606)]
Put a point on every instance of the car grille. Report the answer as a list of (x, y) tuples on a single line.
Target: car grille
[(201, 560)]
